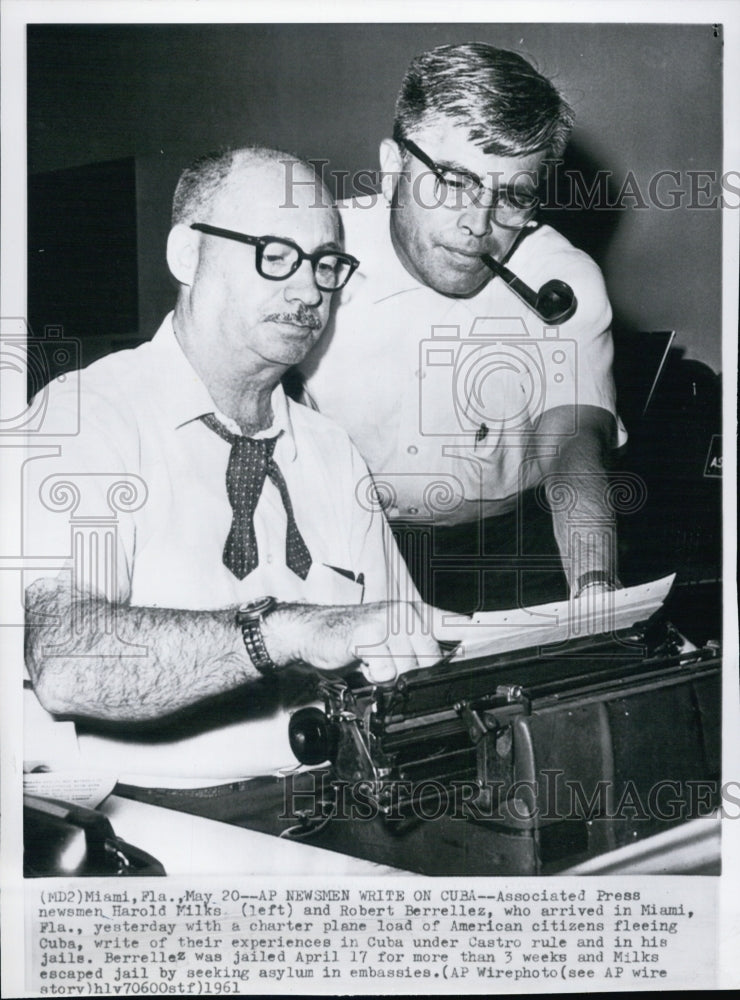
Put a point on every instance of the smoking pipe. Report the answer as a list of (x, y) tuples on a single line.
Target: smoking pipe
[(553, 303)]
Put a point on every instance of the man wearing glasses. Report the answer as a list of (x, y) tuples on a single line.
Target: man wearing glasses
[(484, 406), (227, 534)]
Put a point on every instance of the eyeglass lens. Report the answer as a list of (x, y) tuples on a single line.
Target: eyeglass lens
[(280, 260), (511, 207)]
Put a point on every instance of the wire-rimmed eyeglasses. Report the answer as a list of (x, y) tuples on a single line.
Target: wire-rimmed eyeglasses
[(513, 208)]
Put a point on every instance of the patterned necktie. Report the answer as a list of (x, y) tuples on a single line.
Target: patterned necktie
[(250, 462)]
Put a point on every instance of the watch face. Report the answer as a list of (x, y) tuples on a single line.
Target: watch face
[(252, 610)]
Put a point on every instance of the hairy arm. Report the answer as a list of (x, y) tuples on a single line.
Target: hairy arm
[(89, 658), (576, 488), (92, 658)]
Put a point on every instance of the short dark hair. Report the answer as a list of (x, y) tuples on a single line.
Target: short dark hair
[(509, 108)]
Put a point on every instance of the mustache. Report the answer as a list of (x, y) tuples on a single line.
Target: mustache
[(303, 317)]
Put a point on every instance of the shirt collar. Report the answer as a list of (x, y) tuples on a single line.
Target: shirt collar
[(379, 262), (184, 398)]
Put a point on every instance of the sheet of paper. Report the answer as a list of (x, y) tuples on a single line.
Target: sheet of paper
[(80, 789), (493, 632)]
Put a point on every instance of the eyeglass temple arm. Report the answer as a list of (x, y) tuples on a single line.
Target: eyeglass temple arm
[(228, 234), (555, 301)]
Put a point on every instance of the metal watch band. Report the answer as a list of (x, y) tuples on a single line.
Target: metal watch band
[(256, 649), (249, 619)]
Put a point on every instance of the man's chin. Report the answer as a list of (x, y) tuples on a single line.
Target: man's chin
[(460, 286), (285, 351)]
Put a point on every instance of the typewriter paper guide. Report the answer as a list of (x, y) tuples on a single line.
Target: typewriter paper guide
[(491, 632)]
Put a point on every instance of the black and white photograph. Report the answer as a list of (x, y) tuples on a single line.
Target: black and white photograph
[(368, 444)]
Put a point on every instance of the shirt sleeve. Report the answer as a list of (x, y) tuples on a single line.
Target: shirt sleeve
[(576, 358), (79, 495)]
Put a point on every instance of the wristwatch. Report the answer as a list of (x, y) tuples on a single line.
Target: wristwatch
[(249, 618)]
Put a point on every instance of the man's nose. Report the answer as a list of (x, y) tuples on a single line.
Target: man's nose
[(302, 287), (476, 217)]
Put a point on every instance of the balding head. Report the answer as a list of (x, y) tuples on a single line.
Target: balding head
[(214, 177)]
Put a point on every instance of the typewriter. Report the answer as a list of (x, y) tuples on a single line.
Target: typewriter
[(529, 761), (526, 762)]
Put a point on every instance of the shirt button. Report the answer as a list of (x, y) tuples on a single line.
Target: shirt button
[(412, 449), (269, 557), (413, 510)]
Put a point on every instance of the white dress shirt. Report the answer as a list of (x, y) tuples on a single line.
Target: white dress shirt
[(135, 506), (442, 396)]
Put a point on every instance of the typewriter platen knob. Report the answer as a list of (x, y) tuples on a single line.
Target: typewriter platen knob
[(313, 737)]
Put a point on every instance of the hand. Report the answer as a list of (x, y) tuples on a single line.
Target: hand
[(594, 608), (596, 587), (386, 639)]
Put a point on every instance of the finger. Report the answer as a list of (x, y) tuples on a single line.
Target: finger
[(422, 636), (369, 639), (404, 658), (380, 666), (413, 650), (401, 631), (399, 652)]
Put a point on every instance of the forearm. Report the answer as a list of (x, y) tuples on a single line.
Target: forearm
[(127, 663), (130, 664), (577, 490), (583, 521)]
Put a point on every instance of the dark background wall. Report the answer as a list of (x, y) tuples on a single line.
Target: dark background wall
[(647, 98)]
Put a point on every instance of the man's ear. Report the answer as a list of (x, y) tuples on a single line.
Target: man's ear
[(391, 165), (182, 253)]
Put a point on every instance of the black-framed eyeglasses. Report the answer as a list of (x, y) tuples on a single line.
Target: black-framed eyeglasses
[(512, 207), (277, 259)]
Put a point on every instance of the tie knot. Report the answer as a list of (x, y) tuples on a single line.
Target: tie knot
[(256, 449), (247, 444)]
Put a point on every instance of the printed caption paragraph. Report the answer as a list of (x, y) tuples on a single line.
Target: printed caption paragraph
[(100, 938)]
